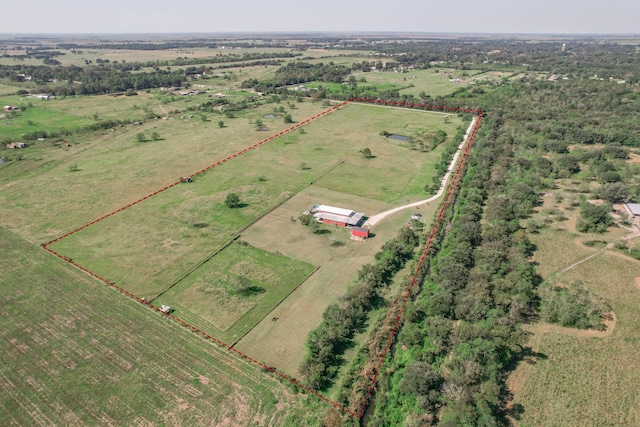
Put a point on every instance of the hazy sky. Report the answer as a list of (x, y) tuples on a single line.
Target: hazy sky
[(188, 16)]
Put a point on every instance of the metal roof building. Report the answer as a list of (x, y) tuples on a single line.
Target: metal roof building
[(337, 216)]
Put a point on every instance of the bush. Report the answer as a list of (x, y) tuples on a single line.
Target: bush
[(594, 218), (571, 306), (232, 201)]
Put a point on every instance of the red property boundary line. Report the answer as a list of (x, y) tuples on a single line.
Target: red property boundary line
[(445, 203), (239, 153)]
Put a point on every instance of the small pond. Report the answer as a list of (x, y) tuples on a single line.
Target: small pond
[(398, 137), (270, 116), (1, 161)]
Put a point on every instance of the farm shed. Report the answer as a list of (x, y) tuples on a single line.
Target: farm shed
[(634, 208), (337, 216), (360, 232)]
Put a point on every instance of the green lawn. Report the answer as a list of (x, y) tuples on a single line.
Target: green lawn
[(207, 299), (37, 118)]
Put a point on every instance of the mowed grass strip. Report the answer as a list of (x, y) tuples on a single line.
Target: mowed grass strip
[(209, 299), (77, 352), (581, 380)]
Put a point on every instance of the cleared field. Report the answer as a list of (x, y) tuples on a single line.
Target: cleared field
[(580, 380), (115, 170), (206, 298), (76, 352), (38, 119), (148, 247), (429, 81), (282, 343)]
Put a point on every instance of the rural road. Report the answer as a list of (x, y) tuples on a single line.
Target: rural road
[(373, 220)]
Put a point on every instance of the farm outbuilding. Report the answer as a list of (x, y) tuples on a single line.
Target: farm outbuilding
[(633, 208), (360, 232), (337, 216)]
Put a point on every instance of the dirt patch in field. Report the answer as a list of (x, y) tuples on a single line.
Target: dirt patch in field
[(634, 158)]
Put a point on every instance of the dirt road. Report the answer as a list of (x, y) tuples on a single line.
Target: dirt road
[(373, 220)]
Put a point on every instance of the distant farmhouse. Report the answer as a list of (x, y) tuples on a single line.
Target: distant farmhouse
[(337, 216), (44, 96)]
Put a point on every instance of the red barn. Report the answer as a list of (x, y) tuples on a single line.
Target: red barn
[(337, 216), (360, 232)]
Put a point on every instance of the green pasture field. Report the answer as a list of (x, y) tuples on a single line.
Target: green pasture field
[(428, 81), (282, 343), (113, 169), (206, 298), (37, 118), (151, 245), (582, 378), (77, 352)]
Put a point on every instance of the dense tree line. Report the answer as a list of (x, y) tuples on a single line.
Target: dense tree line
[(299, 72), (342, 319), (463, 330)]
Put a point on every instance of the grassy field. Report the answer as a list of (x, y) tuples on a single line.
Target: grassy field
[(583, 380), (207, 300), (428, 81), (151, 245), (38, 119), (115, 170), (580, 377), (77, 352), (282, 343), (8, 89)]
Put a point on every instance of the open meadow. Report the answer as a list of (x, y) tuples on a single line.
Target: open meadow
[(77, 353), (551, 384), (150, 247), (56, 188)]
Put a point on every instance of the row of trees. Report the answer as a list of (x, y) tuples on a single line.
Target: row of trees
[(464, 329), (342, 319)]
